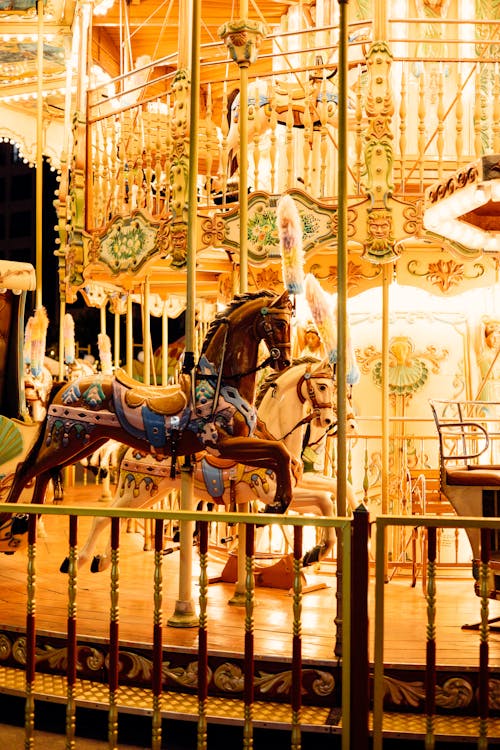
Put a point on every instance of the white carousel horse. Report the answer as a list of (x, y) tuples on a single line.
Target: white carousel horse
[(302, 395), (37, 390), (79, 368), (104, 462)]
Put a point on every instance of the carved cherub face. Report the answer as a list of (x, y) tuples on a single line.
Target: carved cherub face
[(379, 226)]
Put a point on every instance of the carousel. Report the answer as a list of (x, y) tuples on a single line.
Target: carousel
[(287, 221)]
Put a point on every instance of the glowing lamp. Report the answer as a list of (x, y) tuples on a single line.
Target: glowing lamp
[(465, 208)]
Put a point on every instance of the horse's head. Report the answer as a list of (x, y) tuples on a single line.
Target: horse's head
[(234, 336), (317, 386), (273, 326)]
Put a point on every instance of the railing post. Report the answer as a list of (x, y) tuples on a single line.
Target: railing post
[(360, 679)]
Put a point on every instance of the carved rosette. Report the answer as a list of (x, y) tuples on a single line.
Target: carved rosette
[(243, 39), (212, 231)]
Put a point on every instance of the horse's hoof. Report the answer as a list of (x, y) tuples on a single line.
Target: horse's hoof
[(64, 565), (19, 524), (314, 555), (94, 565), (275, 508)]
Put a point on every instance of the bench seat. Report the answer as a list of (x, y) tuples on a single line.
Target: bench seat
[(473, 476)]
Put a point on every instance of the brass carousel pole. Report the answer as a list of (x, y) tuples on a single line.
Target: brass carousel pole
[(243, 157), (380, 32), (39, 158), (243, 38), (184, 615), (129, 338), (341, 312), (238, 597)]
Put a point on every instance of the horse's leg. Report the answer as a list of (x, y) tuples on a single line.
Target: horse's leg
[(98, 525), (12, 526), (127, 497), (321, 503), (20, 482), (267, 454), (321, 482)]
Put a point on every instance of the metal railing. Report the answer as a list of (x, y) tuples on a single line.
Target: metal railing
[(435, 703), (154, 704), (365, 692)]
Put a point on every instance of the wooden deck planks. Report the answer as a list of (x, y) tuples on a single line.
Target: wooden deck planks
[(405, 607)]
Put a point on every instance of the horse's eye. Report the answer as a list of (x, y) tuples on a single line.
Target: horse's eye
[(322, 387)]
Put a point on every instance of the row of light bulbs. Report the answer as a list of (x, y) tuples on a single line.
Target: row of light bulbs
[(34, 95), (444, 217)]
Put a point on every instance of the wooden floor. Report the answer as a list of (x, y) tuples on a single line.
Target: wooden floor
[(405, 607)]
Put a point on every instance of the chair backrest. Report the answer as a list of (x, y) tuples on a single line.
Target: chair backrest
[(468, 431)]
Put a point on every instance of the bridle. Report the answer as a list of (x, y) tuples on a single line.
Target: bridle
[(307, 377), (267, 316), (275, 347)]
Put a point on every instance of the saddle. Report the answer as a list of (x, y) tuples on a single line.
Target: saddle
[(219, 463), (288, 93), (166, 399)]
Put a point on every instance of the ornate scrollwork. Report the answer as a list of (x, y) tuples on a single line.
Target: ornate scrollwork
[(412, 215), (494, 694), (212, 231), (456, 692), (93, 658), (229, 678), (355, 273), (19, 650), (5, 647), (445, 274)]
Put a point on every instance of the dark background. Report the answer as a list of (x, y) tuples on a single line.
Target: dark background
[(18, 242)]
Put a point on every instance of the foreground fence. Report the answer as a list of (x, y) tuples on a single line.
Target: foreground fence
[(153, 701), (362, 694)]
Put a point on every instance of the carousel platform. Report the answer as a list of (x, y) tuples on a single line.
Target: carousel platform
[(404, 646)]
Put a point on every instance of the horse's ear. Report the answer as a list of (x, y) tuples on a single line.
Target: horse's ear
[(282, 301), (323, 366)]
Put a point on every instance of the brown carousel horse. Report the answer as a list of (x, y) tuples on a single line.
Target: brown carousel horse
[(289, 403), (210, 410)]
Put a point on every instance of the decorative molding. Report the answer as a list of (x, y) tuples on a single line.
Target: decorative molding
[(243, 39), (445, 275), (318, 221), (128, 242), (272, 681)]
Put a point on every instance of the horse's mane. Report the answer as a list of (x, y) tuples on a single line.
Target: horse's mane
[(235, 303), (271, 379)]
